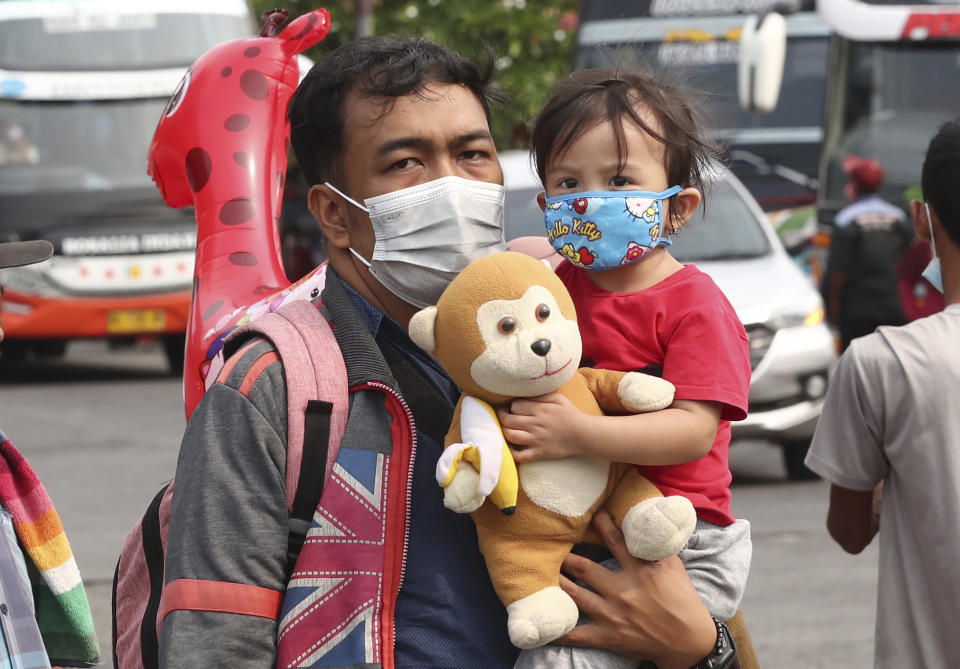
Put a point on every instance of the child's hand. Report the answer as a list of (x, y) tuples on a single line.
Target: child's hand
[(544, 428)]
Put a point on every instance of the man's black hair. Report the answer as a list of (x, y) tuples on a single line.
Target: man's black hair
[(940, 176), (383, 67)]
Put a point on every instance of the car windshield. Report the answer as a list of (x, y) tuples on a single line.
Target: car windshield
[(728, 228), (75, 146), (92, 41)]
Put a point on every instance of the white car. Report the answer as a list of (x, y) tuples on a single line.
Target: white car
[(792, 351)]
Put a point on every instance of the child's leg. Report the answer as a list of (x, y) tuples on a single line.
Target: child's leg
[(717, 560), (566, 657)]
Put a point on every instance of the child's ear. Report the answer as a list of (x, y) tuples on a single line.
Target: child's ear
[(542, 200), (682, 206)]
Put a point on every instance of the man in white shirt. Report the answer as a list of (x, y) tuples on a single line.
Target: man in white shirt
[(889, 442)]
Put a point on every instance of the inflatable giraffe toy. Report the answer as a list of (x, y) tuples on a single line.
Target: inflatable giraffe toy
[(221, 146)]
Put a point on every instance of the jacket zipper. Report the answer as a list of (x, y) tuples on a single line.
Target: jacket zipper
[(406, 511)]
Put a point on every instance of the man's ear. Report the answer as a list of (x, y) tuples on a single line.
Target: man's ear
[(542, 200), (918, 214), (329, 210), (682, 206), (422, 329)]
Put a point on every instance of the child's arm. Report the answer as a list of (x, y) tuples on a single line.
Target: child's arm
[(550, 427)]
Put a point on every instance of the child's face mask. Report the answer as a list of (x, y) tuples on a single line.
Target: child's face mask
[(606, 229)]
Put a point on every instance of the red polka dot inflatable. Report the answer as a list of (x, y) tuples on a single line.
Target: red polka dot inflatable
[(221, 146)]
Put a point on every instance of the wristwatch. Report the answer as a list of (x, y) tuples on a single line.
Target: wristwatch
[(724, 650)]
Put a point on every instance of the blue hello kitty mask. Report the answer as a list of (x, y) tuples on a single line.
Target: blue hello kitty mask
[(601, 229)]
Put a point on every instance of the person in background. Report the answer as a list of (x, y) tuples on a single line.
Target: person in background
[(918, 297), (15, 147), (888, 439), (50, 620), (870, 236)]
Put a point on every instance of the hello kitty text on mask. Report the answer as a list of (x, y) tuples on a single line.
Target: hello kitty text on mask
[(601, 230)]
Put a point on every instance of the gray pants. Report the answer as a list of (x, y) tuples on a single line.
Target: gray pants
[(717, 560)]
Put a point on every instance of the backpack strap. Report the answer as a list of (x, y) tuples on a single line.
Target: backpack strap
[(316, 379), (317, 408), (431, 411)]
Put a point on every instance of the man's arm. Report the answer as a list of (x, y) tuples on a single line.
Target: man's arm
[(229, 522), (847, 447), (851, 520)]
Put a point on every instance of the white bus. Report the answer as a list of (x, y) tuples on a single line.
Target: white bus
[(894, 79), (82, 86)]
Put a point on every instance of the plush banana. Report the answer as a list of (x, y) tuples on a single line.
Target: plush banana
[(483, 447)]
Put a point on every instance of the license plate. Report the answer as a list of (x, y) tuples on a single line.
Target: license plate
[(130, 321)]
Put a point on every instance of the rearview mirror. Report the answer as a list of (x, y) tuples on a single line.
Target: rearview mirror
[(763, 46)]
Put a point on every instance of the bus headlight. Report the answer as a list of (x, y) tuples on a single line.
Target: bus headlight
[(29, 281)]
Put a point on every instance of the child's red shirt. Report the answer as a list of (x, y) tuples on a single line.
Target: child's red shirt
[(685, 330)]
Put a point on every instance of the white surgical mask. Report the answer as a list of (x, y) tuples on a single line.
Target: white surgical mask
[(426, 234), (932, 271)]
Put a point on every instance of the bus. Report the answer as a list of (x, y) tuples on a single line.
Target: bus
[(82, 86), (776, 155), (894, 79)]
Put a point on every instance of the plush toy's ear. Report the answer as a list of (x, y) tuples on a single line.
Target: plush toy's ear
[(422, 329)]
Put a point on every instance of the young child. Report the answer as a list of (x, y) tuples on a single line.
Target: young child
[(623, 164)]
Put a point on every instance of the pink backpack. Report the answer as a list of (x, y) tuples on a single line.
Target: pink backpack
[(315, 373)]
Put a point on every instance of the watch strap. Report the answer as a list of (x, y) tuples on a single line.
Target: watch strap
[(724, 653)]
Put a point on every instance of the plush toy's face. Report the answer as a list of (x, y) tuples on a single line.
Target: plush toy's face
[(505, 327), (531, 349)]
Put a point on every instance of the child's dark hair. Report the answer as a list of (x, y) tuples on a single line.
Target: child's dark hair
[(585, 98), (940, 176), (377, 67)]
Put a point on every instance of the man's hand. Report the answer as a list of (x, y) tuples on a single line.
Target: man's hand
[(545, 427), (648, 610)]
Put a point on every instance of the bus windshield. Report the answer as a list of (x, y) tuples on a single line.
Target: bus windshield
[(711, 66), (137, 40), (75, 146), (895, 97)]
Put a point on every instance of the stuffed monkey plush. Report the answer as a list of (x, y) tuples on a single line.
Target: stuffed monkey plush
[(506, 327)]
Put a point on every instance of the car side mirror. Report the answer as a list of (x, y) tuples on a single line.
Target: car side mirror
[(763, 47)]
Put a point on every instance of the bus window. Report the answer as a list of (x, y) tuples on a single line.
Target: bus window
[(146, 40)]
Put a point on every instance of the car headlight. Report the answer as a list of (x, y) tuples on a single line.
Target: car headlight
[(805, 312)]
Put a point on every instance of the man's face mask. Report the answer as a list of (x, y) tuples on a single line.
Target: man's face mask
[(932, 271), (426, 234), (606, 229)]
